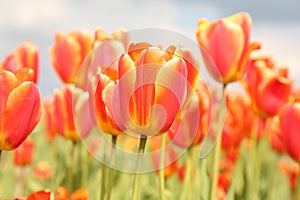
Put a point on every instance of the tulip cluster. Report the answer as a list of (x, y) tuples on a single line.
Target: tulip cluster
[(122, 102)]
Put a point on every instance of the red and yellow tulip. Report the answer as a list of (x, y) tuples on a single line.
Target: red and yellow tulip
[(147, 96), (16, 96), (226, 46)]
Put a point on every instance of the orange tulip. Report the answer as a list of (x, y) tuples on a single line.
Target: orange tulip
[(147, 96), (289, 118), (291, 170), (184, 131), (40, 195), (42, 170), (226, 46), (61, 193), (80, 194), (65, 123), (268, 89), (49, 117), (23, 59), (68, 52), (16, 96), (24, 153)]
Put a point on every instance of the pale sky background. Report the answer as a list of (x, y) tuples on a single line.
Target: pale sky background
[(275, 22)]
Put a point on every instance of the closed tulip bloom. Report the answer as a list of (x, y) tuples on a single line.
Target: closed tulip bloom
[(64, 114), (24, 153), (268, 87), (289, 118), (68, 53), (148, 93), (23, 59), (226, 46), (16, 96)]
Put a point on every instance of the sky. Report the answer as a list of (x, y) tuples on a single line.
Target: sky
[(275, 22)]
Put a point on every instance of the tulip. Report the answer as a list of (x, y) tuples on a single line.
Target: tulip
[(289, 118), (80, 194), (16, 96), (61, 193), (23, 59), (225, 46), (49, 117), (40, 195), (130, 102), (184, 131), (268, 89), (24, 153), (65, 123), (42, 170), (68, 53)]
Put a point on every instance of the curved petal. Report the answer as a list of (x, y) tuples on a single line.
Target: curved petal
[(170, 92)]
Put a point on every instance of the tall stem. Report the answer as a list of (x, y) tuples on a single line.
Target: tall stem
[(187, 177), (136, 181), (70, 166), (161, 168), (103, 176), (216, 157), (111, 170)]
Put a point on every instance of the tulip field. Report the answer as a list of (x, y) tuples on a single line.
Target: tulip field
[(150, 114)]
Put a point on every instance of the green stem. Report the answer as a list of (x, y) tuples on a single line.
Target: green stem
[(70, 166), (216, 157), (187, 177), (111, 170), (298, 186), (103, 176), (137, 178), (161, 168), (0, 154)]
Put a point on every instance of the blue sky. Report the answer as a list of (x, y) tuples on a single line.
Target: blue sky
[(275, 23)]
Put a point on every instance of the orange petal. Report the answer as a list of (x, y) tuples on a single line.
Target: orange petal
[(170, 91)]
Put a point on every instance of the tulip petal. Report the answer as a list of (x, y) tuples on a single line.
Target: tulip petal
[(18, 125), (170, 91), (8, 82)]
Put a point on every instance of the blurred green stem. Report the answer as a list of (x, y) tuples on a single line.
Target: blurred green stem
[(70, 166), (161, 168), (187, 176), (216, 156), (103, 175), (137, 178), (298, 186), (111, 170)]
